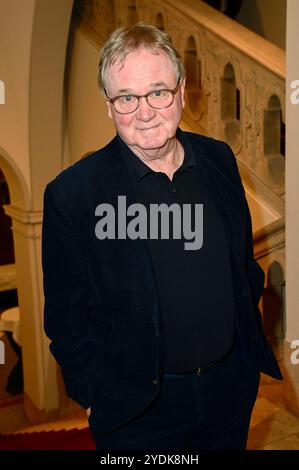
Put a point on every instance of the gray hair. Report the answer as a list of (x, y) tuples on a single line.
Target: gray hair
[(125, 40)]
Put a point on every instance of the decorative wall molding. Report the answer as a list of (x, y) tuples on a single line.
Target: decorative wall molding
[(27, 224)]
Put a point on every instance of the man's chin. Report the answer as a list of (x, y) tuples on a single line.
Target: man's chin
[(153, 146), (151, 142)]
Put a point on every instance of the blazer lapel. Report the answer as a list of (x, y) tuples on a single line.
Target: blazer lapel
[(139, 266), (117, 179)]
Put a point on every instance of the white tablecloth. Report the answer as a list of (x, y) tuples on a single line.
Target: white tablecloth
[(10, 321)]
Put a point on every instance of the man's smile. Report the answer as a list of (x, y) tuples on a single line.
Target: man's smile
[(144, 129)]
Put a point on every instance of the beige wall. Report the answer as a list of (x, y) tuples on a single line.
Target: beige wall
[(88, 126), (16, 23)]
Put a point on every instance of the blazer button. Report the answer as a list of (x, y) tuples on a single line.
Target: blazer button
[(155, 381), (244, 293)]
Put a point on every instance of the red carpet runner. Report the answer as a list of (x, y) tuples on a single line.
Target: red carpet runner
[(75, 439)]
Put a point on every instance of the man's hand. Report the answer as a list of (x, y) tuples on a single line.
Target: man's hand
[(88, 412)]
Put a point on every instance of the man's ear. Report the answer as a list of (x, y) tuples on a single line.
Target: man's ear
[(183, 84), (109, 109)]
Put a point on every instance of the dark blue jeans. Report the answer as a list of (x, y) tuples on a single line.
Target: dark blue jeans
[(193, 412)]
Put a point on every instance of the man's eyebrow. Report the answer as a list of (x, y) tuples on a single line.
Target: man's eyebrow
[(156, 84), (152, 85), (125, 90)]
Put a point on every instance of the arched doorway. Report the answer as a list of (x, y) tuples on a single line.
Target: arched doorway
[(6, 240), (193, 81), (273, 306), (230, 105), (12, 191), (274, 140)]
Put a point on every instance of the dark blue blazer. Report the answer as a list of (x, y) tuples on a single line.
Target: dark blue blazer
[(102, 310)]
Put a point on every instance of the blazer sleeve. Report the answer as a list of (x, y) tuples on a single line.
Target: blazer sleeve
[(254, 272), (67, 305)]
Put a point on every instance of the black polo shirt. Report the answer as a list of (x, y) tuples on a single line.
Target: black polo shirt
[(195, 286)]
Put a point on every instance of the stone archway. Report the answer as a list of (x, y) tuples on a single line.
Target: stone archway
[(274, 140), (230, 105), (273, 303), (49, 40), (19, 193), (160, 22), (193, 73), (17, 196)]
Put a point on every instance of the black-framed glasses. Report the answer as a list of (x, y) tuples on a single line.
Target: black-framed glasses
[(157, 99)]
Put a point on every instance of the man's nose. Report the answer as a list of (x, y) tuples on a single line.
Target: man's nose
[(144, 111)]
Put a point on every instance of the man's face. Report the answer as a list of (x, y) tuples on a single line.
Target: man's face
[(143, 71)]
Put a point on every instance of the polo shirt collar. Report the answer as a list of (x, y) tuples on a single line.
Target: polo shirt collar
[(139, 169)]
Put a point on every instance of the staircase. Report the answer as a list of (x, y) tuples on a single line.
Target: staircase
[(74, 439)]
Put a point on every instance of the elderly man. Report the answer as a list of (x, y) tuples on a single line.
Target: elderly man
[(161, 341)]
